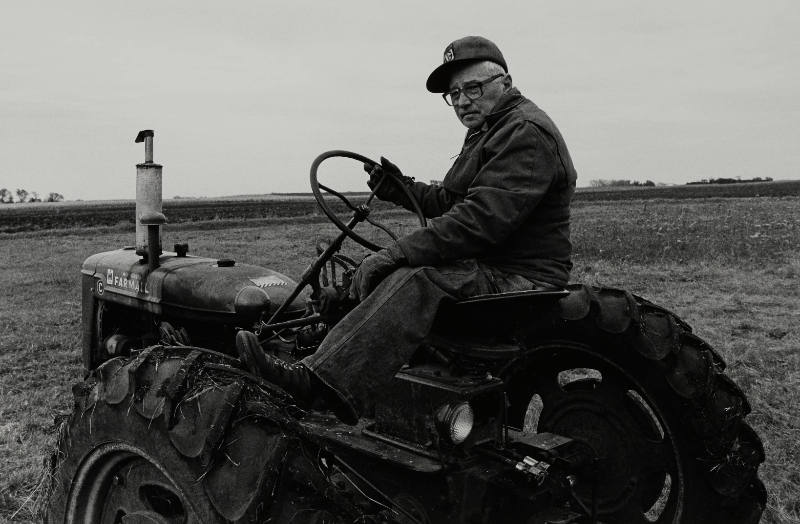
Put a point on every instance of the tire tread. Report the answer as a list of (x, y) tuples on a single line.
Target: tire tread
[(730, 452)]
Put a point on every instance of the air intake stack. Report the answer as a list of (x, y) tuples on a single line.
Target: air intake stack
[(149, 216)]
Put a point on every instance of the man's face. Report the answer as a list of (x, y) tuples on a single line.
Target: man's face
[(473, 113)]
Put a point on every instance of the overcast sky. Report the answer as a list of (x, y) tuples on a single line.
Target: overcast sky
[(243, 95)]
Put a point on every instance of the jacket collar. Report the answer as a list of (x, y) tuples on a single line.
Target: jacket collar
[(508, 101)]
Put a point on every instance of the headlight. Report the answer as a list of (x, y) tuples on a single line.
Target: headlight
[(455, 421)]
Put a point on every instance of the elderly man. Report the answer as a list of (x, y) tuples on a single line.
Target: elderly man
[(500, 222)]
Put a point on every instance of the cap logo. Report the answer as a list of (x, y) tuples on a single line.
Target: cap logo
[(449, 56)]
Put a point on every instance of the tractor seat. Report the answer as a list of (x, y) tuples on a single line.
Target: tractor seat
[(484, 326), (510, 300)]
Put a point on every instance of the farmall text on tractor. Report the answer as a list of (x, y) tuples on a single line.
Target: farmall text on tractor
[(572, 406)]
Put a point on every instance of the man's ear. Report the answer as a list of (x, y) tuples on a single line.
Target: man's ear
[(507, 82)]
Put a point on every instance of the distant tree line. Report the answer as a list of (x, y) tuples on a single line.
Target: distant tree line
[(621, 183), (730, 180), (7, 197)]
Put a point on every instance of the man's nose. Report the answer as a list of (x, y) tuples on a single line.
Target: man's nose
[(462, 101)]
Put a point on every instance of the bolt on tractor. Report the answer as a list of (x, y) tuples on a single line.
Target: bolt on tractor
[(579, 405)]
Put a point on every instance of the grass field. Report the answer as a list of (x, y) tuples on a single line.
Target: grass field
[(729, 266), (16, 218)]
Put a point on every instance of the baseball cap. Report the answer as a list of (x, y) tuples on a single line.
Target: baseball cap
[(457, 54)]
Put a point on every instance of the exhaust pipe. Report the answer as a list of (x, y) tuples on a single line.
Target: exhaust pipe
[(149, 216)]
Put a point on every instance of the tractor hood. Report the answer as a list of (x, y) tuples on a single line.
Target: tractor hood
[(190, 286)]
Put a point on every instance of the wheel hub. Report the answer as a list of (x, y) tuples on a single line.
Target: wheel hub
[(120, 483), (636, 475)]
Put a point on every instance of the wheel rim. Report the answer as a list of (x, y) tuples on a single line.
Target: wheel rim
[(583, 395), (118, 482)]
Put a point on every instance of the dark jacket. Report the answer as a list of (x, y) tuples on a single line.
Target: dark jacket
[(505, 200)]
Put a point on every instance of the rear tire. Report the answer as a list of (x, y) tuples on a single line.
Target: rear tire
[(632, 381)]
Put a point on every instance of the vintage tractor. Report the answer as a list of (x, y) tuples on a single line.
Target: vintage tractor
[(570, 406)]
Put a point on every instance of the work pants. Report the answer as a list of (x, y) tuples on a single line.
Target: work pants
[(361, 354)]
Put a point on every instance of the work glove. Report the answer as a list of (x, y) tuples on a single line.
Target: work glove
[(373, 269), (389, 189)]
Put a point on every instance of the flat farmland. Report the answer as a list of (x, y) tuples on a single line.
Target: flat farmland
[(729, 265), (16, 218)]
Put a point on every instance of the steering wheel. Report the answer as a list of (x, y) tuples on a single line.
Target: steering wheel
[(317, 189)]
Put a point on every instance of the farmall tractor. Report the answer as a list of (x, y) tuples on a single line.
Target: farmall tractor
[(581, 405)]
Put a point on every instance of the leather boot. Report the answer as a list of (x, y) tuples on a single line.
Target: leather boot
[(295, 379)]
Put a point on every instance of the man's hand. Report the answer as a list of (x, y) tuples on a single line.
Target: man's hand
[(373, 269), (388, 190)]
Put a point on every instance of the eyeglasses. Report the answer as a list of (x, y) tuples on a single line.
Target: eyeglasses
[(472, 91)]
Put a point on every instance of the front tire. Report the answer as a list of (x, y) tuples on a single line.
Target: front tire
[(174, 435)]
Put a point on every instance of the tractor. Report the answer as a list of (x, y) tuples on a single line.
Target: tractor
[(576, 405)]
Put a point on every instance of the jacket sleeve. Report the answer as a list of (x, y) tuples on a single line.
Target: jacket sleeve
[(518, 167), (433, 200)]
